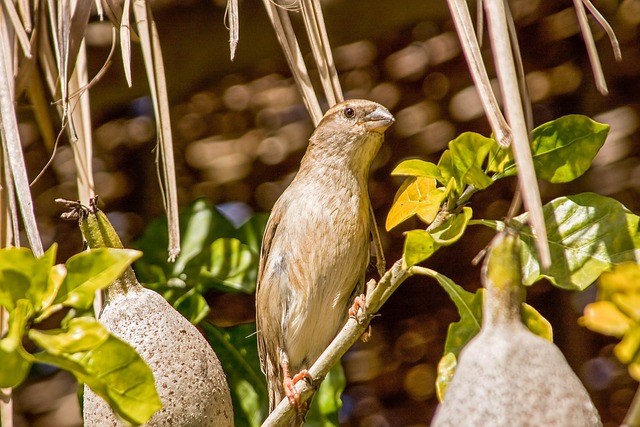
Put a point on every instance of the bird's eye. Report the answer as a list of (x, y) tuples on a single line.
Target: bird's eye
[(349, 112)]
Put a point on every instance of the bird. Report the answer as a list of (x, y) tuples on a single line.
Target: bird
[(316, 246)]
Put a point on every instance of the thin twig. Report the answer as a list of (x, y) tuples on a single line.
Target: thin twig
[(615, 45), (232, 20), (13, 151), (592, 51), (286, 37), (506, 71), (464, 27), (154, 66)]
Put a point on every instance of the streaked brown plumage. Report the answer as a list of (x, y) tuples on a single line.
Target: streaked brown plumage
[(316, 244)]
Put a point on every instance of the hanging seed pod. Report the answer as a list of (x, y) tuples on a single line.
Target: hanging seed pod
[(188, 376), (506, 375)]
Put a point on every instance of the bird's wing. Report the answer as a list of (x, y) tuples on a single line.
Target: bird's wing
[(269, 358)]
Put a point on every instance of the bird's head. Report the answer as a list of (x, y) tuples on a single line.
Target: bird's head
[(352, 130)]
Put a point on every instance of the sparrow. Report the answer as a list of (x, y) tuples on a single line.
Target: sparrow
[(316, 246)]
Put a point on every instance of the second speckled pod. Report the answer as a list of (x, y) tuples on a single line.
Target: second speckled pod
[(507, 376), (188, 376)]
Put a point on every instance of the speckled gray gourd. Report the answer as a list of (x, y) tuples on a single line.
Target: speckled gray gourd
[(189, 378), (507, 376)]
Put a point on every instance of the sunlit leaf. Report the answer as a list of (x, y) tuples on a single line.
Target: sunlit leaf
[(197, 268), (417, 167), (109, 366), (623, 280), (536, 323), (499, 158), (627, 349), (24, 276), (605, 318), (232, 266), (468, 153), (452, 229), (92, 270), (14, 359), (469, 307), (192, 304), (201, 224), (446, 368), (250, 233), (588, 234), (416, 196), (418, 246), (563, 149)]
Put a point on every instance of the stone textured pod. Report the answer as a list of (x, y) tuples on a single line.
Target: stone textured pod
[(506, 375), (189, 378), (511, 377)]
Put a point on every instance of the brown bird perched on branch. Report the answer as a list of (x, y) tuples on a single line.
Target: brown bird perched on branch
[(316, 246)]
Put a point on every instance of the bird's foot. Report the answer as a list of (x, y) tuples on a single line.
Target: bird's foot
[(289, 385), (358, 303)]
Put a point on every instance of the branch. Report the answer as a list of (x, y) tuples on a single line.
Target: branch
[(377, 294)]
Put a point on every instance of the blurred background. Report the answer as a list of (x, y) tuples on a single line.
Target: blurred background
[(240, 130)]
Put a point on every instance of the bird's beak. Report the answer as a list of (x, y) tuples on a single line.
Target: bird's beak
[(379, 119)]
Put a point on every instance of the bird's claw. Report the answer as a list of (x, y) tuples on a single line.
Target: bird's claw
[(358, 303), (289, 385)]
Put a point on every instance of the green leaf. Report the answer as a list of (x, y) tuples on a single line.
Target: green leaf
[(446, 368), (418, 246), (469, 307), (468, 153), (232, 267), (563, 149), (536, 323), (452, 229), (417, 167), (198, 269), (416, 196), (193, 304), (14, 359), (237, 349), (109, 366), (250, 233), (92, 270), (587, 233), (201, 224), (24, 276), (498, 159)]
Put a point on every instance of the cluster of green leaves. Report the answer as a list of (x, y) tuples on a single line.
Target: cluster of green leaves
[(217, 256), (33, 289), (562, 150), (616, 313), (588, 233)]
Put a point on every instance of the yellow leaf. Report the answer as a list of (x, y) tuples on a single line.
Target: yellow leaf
[(416, 196), (605, 318)]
